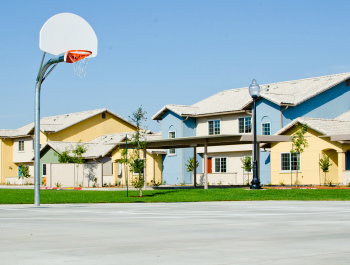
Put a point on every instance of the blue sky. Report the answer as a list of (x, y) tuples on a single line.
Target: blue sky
[(168, 52)]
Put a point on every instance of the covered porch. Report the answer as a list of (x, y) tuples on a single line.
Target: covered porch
[(205, 142)]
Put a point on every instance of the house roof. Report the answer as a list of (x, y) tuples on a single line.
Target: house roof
[(281, 93), (324, 126), (57, 123), (93, 150), (344, 117), (102, 145)]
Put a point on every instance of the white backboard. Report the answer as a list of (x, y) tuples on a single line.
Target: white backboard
[(66, 31)]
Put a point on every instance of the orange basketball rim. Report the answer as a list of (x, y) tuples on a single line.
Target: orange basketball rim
[(73, 56)]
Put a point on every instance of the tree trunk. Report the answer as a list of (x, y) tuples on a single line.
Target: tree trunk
[(296, 181), (140, 192)]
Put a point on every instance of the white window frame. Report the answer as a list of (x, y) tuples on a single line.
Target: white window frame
[(171, 154), (251, 124), (214, 126), (214, 167), (262, 127), (42, 168), (290, 163), (19, 145)]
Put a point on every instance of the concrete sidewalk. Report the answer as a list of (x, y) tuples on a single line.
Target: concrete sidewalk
[(259, 232)]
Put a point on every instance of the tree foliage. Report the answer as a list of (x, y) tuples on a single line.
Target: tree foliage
[(23, 171), (299, 143), (77, 154), (138, 139), (190, 164), (247, 165), (325, 164)]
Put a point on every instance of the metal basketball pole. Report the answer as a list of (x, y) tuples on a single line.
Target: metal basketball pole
[(39, 80)]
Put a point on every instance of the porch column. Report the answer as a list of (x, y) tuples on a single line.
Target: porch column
[(144, 168), (206, 164), (341, 166), (195, 168)]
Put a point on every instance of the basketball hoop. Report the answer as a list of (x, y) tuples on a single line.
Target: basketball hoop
[(79, 59)]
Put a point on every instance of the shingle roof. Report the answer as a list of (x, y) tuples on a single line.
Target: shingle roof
[(323, 126), (59, 122), (93, 150), (288, 92), (100, 146), (344, 117)]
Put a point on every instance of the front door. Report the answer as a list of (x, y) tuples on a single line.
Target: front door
[(210, 170)]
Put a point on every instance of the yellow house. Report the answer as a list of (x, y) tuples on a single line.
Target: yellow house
[(284, 165), (17, 146)]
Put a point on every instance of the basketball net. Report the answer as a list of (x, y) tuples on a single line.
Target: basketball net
[(80, 60)]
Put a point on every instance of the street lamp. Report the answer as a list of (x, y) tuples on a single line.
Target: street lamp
[(254, 91)]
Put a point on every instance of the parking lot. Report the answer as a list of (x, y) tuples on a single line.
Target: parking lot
[(260, 232)]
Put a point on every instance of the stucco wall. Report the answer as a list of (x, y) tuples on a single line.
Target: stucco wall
[(26, 155), (228, 123), (90, 129), (8, 168)]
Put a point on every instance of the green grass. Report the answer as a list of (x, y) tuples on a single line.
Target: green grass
[(75, 196)]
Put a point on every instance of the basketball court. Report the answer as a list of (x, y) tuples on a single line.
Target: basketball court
[(262, 232)]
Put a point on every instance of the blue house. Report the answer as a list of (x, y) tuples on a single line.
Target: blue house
[(229, 112)]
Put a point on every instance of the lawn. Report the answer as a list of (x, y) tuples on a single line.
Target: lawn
[(75, 196)]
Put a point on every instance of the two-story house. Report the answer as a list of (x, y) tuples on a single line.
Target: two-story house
[(229, 112), (221, 113), (16, 146)]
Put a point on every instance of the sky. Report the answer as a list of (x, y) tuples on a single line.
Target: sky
[(153, 53)]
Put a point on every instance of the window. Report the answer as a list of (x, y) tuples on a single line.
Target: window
[(214, 127), (44, 169), (245, 125), (172, 151), (289, 161), (103, 115), (266, 128), (347, 82), (220, 164), (20, 146)]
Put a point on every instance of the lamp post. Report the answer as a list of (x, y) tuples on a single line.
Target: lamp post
[(254, 91)]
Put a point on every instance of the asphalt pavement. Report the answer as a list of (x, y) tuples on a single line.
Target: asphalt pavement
[(257, 232)]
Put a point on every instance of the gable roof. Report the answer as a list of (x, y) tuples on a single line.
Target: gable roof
[(281, 93), (58, 123), (324, 126), (100, 146)]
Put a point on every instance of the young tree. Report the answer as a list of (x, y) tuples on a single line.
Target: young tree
[(23, 172), (325, 164), (247, 165), (299, 143), (190, 165), (138, 139)]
